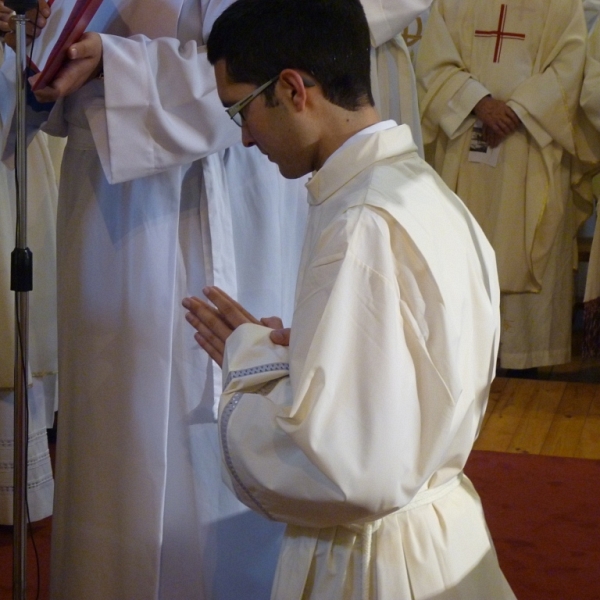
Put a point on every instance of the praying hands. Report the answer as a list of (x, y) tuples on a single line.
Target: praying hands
[(215, 322)]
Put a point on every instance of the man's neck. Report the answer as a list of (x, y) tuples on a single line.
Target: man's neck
[(339, 125)]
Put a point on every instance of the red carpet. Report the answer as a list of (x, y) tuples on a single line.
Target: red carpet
[(544, 516), (543, 512), (41, 531)]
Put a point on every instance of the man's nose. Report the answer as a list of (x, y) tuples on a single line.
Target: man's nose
[(247, 138)]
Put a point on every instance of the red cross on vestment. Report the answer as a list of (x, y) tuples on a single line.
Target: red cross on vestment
[(499, 33)]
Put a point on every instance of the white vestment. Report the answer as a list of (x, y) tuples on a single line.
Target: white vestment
[(158, 200), (530, 54), (42, 391), (140, 510), (356, 435)]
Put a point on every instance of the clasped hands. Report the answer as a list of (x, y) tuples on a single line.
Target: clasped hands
[(499, 120), (84, 57), (216, 321)]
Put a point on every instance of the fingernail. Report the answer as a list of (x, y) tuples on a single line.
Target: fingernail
[(186, 302), (276, 336), (73, 52), (206, 290)]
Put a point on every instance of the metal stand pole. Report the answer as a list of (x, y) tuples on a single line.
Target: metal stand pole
[(21, 284)]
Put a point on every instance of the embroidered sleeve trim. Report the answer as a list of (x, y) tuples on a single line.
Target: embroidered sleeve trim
[(255, 370), (231, 406)]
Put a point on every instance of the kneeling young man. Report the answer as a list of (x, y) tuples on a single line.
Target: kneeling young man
[(356, 434)]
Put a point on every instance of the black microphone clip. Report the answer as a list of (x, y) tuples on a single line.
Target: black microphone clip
[(21, 6)]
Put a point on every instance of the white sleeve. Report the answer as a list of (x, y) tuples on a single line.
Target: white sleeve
[(362, 419), (388, 18), (549, 116), (161, 107)]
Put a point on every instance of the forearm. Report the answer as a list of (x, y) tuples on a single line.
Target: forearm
[(314, 448), (267, 469), (547, 101), (452, 108), (162, 108)]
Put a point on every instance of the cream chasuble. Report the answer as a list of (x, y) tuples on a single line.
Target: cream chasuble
[(530, 54), (356, 435)]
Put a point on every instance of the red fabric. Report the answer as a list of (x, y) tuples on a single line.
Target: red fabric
[(41, 531), (544, 516)]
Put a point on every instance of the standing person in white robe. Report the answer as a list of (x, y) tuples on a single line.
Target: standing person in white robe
[(42, 391), (516, 66), (140, 510), (154, 206), (356, 435), (392, 72)]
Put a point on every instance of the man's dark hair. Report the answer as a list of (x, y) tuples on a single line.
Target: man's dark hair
[(327, 39)]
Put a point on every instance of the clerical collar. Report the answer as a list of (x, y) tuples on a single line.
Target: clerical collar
[(381, 126)]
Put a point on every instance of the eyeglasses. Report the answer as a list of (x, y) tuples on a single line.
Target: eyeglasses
[(235, 111)]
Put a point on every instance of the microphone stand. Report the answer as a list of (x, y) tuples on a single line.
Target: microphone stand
[(21, 282)]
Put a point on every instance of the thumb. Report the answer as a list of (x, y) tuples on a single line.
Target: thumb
[(272, 322), (281, 337), (89, 46)]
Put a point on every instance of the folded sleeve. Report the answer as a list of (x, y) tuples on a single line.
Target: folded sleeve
[(161, 107), (337, 432), (550, 116)]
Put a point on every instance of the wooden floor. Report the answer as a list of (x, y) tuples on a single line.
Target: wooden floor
[(555, 418), (552, 410)]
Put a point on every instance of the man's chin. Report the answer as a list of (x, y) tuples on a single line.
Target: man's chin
[(290, 172)]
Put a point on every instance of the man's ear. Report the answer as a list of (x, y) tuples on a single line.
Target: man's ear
[(293, 88)]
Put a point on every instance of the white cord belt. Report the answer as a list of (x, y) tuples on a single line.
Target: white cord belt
[(368, 529)]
